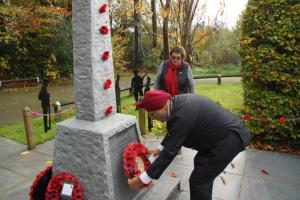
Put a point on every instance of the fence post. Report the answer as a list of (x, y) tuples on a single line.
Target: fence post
[(118, 94), (28, 127), (57, 110), (142, 121), (219, 79)]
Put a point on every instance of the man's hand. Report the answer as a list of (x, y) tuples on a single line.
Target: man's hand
[(154, 152), (135, 182)]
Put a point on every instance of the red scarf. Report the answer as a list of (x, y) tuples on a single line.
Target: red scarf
[(171, 84)]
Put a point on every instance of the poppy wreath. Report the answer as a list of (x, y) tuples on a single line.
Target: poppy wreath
[(131, 152), (38, 188), (55, 186)]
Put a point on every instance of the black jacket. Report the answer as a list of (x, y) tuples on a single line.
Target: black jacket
[(195, 122)]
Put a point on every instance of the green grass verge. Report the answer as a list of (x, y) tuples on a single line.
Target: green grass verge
[(228, 94)]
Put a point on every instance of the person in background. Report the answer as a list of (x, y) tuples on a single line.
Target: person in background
[(175, 75), (44, 97), (137, 85), (147, 88), (195, 122)]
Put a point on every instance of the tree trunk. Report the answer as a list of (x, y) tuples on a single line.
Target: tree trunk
[(138, 54), (166, 29), (154, 23)]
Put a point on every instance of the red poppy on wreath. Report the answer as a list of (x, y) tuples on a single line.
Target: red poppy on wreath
[(135, 160), (105, 55), (104, 30), (108, 110), (246, 117), (107, 84), (281, 120), (38, 188), (103, 8), (55, 186)]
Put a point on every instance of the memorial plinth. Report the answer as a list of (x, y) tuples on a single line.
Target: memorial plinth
[(92, 151)]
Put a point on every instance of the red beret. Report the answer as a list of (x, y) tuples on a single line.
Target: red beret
[(153, 100)]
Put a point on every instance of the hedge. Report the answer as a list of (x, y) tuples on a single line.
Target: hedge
[(269, 50)]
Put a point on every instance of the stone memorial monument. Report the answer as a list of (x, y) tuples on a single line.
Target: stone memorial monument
[(90, 146)]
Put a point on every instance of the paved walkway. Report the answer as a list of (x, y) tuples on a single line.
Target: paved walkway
[(253, 175)]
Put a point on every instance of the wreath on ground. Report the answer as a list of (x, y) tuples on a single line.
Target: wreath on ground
[(135, 160), (56, 183), (45, 188), (38, 188)]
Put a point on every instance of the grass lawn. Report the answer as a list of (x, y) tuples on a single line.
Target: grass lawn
[(229, 95)]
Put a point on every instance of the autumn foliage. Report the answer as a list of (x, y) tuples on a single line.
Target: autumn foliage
[(33, 41)]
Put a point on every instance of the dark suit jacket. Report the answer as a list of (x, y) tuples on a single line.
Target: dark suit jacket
[(195, 122)]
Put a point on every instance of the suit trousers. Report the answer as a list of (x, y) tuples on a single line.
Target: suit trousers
[(209, 164)]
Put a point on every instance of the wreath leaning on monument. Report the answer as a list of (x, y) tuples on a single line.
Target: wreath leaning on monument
[(56, 183), (135, 160)]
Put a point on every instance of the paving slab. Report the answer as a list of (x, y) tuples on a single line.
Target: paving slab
[(9, 147), (229, 189), (182, 172), (18, 192), (28, 164), (280, 166), (46, 148), (9, 179), (254, 188)]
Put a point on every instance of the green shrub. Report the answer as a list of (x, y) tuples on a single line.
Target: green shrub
[(269, 50)]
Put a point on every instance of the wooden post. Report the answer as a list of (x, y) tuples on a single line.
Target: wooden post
[(219, 79), (118, 94), (28, 127), (142, 122), (57, 110)]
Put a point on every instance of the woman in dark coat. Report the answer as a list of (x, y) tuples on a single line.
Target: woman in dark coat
[(174, 75)]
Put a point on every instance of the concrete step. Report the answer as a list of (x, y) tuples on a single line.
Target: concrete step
[(166, 188)]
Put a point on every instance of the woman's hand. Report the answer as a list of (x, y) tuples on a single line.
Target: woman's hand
[(135, 182)]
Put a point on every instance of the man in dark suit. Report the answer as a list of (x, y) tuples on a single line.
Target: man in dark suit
[(195, 122)]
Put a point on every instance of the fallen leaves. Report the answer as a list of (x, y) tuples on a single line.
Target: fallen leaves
[(223, 180), (267, 147), (232, 165), (25, 153), (264, 172), (49, 162), (173, 174)]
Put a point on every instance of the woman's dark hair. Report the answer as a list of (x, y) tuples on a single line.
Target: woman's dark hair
[(178, 49)]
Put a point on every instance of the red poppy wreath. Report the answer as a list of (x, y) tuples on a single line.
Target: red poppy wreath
[(55, 186), (38, 188), (135, 160)]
